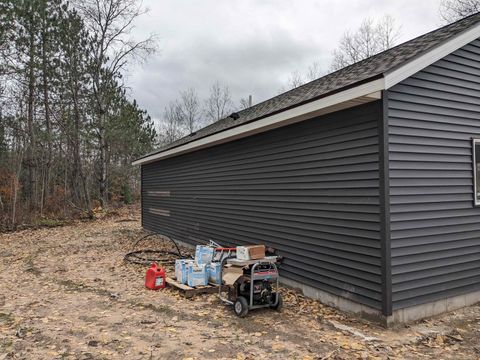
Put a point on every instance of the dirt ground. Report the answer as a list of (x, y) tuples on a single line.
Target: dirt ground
[(66, 293)]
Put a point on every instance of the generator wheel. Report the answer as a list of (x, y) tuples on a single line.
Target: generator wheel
[(241, 307), (279, 305)]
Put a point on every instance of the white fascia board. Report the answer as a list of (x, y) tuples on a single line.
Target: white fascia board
[(297, 114), (393, 77)]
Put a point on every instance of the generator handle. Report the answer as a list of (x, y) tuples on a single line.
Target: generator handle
[(220, 287)]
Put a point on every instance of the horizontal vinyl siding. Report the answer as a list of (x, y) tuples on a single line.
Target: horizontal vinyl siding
[(309, 190), (435, 229)]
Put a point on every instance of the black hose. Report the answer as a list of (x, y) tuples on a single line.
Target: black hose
[(148, 256), (154, 233)]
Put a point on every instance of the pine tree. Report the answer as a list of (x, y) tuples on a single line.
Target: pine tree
[(75, 99), (64, 114)]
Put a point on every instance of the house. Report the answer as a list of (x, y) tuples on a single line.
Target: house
[(364, 180)]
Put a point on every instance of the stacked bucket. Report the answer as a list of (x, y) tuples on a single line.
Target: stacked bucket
[(200, 271)]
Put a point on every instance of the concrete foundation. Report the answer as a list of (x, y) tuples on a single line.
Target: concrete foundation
[(399, 316), (412, 313), (337, 302)]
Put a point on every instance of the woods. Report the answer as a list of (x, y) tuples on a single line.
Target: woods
[(68, 129)]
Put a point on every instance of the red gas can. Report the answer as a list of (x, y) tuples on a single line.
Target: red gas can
[(155, 277)]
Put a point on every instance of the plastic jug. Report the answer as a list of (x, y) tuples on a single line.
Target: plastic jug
[(155, 278)]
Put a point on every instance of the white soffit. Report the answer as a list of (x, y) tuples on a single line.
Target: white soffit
[(394, 76), (360, 94)]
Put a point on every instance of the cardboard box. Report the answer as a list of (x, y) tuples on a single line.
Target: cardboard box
[(256, 251), (250, 252), (230, 274)]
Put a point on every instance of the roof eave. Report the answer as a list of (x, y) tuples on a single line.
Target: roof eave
[(363, 93)]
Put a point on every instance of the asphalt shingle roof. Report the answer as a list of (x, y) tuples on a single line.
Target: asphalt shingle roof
[(362, 71)]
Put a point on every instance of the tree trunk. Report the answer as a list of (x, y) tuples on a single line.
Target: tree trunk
[(103, 167), (82, 177), (15, 191), (65, 187), (14, 202), (79, 174), (31, 161), (48, 160)]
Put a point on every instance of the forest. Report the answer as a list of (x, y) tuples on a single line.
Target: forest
[(68, 130)]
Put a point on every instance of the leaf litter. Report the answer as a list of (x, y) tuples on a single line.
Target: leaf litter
[(65, 293)]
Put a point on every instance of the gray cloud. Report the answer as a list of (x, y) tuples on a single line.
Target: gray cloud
[(251, 45), (257, 66)]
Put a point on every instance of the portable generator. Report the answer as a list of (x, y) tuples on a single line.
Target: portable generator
[(256, 286)]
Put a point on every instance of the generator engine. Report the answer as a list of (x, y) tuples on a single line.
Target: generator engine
[(256, 285), (263, 293)]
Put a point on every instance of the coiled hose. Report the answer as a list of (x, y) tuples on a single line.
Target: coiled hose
[(148, 256)]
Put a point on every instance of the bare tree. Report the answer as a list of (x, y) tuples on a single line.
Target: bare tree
[(366, 40), (295, 80), (189, 109), (110, 22), (387, 32), (314, 71), (171, 126), (370, 38), (453, 10), (245, 103), (219, 104)]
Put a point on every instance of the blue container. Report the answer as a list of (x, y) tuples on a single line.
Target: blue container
[(197, 275), (204, 254), (181, 270), (214, 273)]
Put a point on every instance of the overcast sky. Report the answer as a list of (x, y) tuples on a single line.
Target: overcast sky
[(252, 45)]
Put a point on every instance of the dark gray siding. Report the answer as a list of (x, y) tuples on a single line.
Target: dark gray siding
[(310, 190), (435, 229)]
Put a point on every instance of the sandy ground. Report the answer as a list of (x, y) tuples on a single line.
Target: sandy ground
[(65, 293)]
